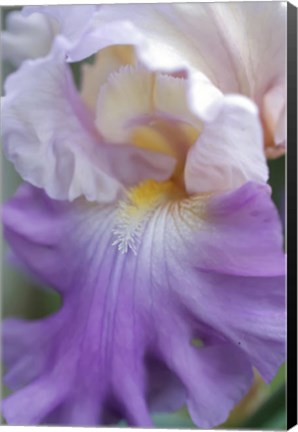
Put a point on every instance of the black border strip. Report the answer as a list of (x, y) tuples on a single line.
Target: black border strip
[(292, 216)]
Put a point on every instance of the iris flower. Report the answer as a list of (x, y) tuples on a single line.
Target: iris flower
[(145, 205)]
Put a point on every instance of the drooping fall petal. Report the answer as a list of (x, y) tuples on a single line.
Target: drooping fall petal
[(113, 324)]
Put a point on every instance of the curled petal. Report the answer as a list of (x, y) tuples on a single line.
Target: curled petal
[(50, 138), (46, 134), (26, 37), (85, 29), (71, 21), (229, 151)]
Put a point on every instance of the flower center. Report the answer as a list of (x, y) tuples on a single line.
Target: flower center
[(172, 138), (134, 211)]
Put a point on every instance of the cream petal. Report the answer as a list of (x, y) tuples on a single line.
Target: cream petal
[(170, 97), (126, 97), (135, 96), (94, 75)]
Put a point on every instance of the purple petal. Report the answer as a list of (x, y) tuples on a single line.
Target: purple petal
[(126, 319), (233, 273), (248, 231)]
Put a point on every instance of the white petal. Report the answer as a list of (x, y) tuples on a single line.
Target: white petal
[(229, 151), (46, 136), (240, 47), (50, 137), (86, 29), (71, 21), (26, 37)]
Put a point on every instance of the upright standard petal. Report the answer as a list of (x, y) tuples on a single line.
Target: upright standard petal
[(240, 47), (233, 44), (113, 332), (222, 41)]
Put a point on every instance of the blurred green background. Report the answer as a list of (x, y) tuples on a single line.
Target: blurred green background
[(264, 407)]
